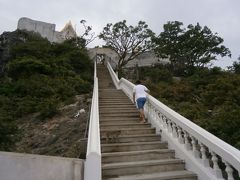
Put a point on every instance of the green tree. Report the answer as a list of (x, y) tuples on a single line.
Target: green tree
[(189, 48), (235, 67), (127, 41), (168, 43), (201, 46)]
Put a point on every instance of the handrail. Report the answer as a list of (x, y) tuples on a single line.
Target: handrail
[(197, 146), (113, 75), (93, 156)]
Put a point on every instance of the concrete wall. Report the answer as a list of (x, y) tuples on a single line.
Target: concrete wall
[(17, 166), (47, 30), (44, 29)]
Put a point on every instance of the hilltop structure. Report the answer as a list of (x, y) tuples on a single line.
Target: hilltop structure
[(146, 59), (47, 30)]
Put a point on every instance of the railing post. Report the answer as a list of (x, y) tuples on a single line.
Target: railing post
[(216, 169)]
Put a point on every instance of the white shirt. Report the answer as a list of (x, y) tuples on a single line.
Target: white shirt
[(140, 91)]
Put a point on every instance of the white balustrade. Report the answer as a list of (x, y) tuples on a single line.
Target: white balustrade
[(205, 160), (200, 149), (216, 169), (93, 168), (229, 171)]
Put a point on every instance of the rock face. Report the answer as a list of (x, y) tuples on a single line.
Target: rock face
[(62, 135), (47, 30)]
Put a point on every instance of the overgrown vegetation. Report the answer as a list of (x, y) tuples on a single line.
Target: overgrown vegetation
[(39, 77), (209, 97)]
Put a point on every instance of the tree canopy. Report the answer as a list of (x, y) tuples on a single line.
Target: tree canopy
[(190, 47), (127, 41)]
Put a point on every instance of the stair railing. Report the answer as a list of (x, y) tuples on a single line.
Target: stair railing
[(113, 75), (201, 150), (93, 169)]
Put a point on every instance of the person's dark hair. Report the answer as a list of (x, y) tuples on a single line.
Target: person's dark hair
[(138, 82)]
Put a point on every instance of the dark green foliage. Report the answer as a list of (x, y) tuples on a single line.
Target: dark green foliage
[(8, 128), (235, 67), (39, 78), (156, 74), (189, 48)]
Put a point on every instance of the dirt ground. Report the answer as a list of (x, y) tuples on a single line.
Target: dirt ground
[(62, 135)]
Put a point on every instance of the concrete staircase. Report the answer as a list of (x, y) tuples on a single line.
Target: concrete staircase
[(131, 150)]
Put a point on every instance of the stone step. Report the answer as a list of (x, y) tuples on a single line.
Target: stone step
[(106, 121), (169, 175), (117, 118), (142, 167), (115, 103), (119, 111), (116, 108), (138, 155), (126, 131), (111, 90), (123, 115), (123, 105), (124, 125), (133, 146), (133, 138), (113, 97)]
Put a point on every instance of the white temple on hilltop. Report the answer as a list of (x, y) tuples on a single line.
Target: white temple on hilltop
[(47, 30), (68, 31)]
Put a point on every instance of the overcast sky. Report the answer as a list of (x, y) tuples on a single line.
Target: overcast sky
[(221, 16)]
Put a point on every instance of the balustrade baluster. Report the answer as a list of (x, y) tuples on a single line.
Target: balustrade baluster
[(169, 127), (186, 141), (180, 138), (159, 117), (205, 160), (229, 171), (151, 110), (216, 169), (147, 110), (154, 114), (174, 130), (195, 150), (164, 121)]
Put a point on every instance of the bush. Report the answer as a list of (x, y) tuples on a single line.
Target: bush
[(40, 77)]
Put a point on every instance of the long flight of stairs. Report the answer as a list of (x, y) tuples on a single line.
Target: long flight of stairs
[(131, 150)]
